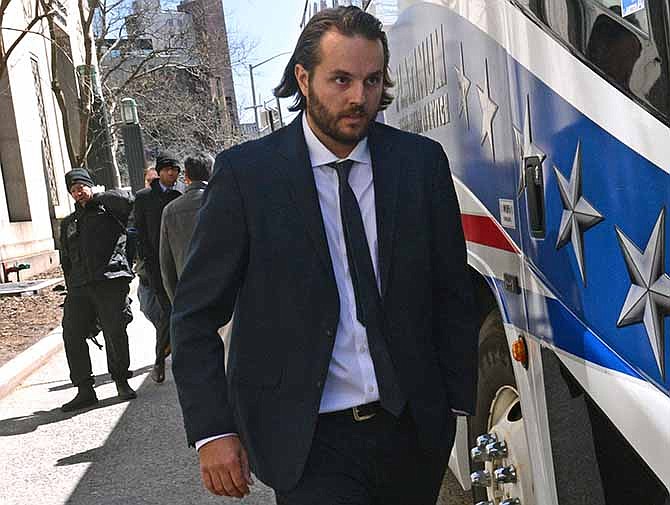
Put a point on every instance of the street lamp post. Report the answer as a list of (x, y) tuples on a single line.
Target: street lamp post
[(253, 92), (251, 75), (132, 141)]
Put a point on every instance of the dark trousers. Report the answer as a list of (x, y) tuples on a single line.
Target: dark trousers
[(105, 303), (374, 462), (163, 327), (148, 302), (156, 306)]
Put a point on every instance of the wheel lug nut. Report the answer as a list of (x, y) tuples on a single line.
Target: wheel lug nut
[(511, 501), (486, 439), (505, 475), (477, 454), (496, 450), (481, 478)]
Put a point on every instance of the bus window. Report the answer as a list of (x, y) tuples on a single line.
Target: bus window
[(636, 17), (613, 49), (630, 51)]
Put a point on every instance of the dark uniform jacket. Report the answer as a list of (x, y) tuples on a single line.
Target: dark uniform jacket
[(149, 205), (93, 240), (259, 248)]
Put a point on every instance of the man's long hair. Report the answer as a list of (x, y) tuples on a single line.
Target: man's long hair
[(349, 21)]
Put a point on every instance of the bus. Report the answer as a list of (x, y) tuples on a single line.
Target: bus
[(555, 117)]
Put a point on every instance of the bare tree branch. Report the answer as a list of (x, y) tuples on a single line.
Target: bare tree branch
[(37, 18)]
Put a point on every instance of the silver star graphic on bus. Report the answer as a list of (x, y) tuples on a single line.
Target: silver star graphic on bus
[(648, 299), (489, 110), (464, 88), (578, 214), (525, 146)]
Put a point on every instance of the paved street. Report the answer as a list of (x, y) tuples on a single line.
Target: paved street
[(117, 453)]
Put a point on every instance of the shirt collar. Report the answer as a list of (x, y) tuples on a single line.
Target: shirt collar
[(320, 155), (163, 187)]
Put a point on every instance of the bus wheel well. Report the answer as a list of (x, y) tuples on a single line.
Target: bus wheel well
[(485, 300)]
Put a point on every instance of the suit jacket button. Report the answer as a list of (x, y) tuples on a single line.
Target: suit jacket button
[(318, 384), (329, 333)]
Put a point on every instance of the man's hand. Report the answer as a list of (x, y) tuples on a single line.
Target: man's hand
[(224, 467)]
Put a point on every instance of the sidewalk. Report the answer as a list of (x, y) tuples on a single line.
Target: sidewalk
[(20, 367), (118, 453)]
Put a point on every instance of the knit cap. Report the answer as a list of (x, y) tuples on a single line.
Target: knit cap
[(78, 175)]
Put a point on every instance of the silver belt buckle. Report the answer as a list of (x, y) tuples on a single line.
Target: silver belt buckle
[(361, 417)]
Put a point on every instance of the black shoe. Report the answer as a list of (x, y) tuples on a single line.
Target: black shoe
[(125, 391), (158, 372), (85, 398)]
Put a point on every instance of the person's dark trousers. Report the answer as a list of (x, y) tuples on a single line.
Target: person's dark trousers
[(163, 327), (106, 301), (149, 305), (373, 462)]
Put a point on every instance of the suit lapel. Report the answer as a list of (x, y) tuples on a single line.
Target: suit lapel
[(297, 170), (386, 173)]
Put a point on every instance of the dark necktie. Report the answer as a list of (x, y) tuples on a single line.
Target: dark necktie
[(368, 301)]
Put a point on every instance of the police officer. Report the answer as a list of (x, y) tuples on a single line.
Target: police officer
[(97, 275)]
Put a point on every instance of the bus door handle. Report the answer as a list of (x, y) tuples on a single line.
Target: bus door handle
[(535, 196)]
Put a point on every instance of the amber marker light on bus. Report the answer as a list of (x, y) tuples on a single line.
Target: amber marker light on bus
[(520, 351)]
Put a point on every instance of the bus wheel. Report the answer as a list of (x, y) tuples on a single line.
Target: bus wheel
[(499, 456)]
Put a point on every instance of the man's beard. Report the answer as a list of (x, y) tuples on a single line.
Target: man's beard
[(327, 121)]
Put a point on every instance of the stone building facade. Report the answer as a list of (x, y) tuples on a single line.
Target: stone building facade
[(33, 153), (209, 29)]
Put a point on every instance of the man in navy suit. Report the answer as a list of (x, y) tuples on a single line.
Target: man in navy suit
[(338, 243)]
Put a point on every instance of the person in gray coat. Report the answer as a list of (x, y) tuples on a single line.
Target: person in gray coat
[(179, 218)]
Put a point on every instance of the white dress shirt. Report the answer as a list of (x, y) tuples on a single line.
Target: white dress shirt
[(351, 376)]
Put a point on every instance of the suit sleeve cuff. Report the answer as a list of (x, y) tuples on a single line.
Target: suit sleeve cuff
[(457, 412), (204, 441)]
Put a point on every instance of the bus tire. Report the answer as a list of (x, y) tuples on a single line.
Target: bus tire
[(495, 371)]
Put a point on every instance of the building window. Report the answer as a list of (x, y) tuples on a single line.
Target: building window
[(49, 172), (11, 162), (230, 109)]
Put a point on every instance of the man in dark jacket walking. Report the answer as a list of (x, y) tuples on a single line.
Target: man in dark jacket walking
[(149, 205), (179, 220), (97, 275), (145, 294)]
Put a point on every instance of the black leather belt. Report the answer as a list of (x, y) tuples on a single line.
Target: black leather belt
[(360, 413)]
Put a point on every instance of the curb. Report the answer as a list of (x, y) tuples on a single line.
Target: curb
[(20, 367)]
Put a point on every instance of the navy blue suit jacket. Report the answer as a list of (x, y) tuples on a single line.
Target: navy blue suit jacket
[(259, 247)]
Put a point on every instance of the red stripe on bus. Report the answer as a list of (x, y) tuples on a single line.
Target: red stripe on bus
[(483, 230)]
